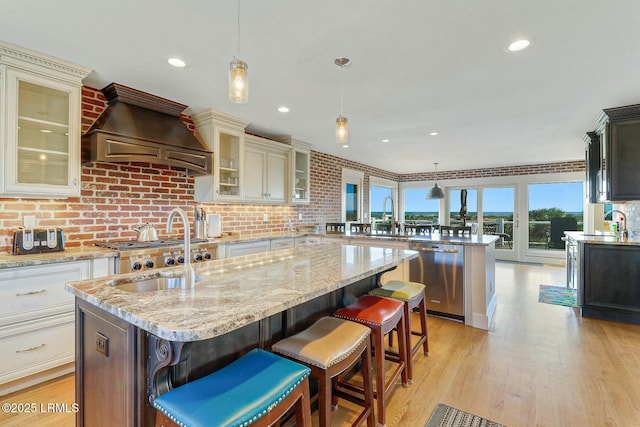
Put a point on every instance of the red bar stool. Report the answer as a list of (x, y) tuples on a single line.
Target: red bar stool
[(413, 295), (257, 389), (332, 347), (381, 315)]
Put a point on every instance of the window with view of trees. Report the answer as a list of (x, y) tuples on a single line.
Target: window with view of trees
[(561, 202)]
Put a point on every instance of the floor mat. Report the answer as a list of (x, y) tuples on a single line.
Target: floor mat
[(558, 295)]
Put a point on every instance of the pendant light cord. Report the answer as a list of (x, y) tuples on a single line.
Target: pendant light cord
[(342, 91), (238, 28)]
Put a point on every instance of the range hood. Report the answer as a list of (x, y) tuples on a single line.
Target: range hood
[(140, 127)]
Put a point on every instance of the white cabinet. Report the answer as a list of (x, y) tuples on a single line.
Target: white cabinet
[(224, 135), (284, 243), (300, 166), (308, 240), (40, 111), (239, 249), (266, 170), (37, 320)]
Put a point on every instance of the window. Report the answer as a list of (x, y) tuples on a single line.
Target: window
[(351, 195), (554, 208), (417, 208), (376, 202)]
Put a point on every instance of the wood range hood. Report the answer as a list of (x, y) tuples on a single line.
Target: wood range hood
[(140, 127)]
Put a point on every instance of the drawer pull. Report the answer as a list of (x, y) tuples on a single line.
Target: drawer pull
[(31, 349), (21, 294)]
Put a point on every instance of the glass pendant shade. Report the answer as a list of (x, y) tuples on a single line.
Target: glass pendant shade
[(238, 82), (342, 130), (435, 193)]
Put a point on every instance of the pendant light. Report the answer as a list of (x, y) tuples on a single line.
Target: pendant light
[(436, 192), (238, 75), (342, 126)]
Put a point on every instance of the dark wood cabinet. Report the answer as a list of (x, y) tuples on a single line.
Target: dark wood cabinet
[(619, 174), (594, 191), (611, 282)]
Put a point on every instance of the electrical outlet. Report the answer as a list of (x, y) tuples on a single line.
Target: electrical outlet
[(102, 344), (29, 221), (265, 217), (300, 216)]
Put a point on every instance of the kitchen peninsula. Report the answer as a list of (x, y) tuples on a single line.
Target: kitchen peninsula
[(132, 346)]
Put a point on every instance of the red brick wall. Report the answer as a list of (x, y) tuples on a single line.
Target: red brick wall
[(116, 197)]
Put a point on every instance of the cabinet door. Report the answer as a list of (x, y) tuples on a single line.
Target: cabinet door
[(254, 177), (277, 177), (301, 177), (42, 136), (623, 157)]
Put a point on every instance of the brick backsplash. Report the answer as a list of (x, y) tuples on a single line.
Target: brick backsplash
[(116, 197)]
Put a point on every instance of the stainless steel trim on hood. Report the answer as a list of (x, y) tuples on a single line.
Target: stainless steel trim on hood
[(140, 127)]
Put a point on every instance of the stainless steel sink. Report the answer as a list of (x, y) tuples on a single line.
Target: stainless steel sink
[(151, 285), (159, 283)]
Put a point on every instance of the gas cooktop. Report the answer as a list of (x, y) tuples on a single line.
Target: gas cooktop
[(121, 245)]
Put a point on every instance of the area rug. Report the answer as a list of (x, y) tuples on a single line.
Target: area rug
[(447, 416), (557, 295)]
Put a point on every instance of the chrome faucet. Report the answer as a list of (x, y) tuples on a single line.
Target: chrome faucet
[(624, 231), (189, 274), (393, 215)]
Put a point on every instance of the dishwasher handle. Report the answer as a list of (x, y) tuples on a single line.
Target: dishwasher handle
[(437, 250)]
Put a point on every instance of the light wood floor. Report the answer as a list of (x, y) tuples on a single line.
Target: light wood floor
[(538, 365)]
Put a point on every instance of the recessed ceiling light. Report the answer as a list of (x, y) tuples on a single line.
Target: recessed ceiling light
[(345, 145), (386, 140), (176, 62), (433, 133), (518, 45), (45, 131), (283, 109)]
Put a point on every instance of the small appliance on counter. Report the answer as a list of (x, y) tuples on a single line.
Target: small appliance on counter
[(37, 241)]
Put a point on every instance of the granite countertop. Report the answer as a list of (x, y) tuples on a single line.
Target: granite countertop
[(8, 260), (603, 238), (472, 240), (237, 291)]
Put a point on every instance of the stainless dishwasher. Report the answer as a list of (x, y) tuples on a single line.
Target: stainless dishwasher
[(441, 269)]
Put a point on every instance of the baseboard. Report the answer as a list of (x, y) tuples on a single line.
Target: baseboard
[(40, 377)]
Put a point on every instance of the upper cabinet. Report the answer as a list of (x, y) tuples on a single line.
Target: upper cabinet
[(224, 135), (618, 175), (266, 172), (40, 118), (300, 166), (594, 190)]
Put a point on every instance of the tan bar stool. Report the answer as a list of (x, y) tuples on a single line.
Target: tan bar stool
[(413, 295), (381, 315), (330, 348)]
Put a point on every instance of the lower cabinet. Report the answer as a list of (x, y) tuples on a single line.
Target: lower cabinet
[(239, 249), (107, 389), (611, 290), (37, 321)]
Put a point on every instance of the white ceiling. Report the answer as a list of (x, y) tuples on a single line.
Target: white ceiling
[(417, 66)]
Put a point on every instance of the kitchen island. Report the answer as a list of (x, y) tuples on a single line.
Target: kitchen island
[(133, 346)]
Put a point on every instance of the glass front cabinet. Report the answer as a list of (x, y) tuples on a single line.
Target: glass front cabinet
[(41, 124), (300, 170), (224, 135)]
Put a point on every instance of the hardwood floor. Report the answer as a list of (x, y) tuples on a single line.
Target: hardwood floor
[(538, 365)]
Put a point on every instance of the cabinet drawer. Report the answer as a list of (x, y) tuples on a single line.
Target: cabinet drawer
[(282, 243), (31, 292), (35, 346), (240, 249)]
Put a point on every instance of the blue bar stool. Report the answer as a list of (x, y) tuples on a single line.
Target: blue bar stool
[(331, 347), (413, 295), (257, 389)]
